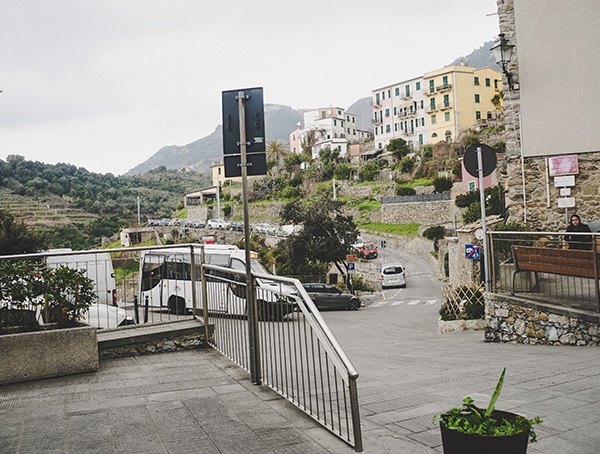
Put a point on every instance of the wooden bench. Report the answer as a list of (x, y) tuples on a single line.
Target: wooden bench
[(566, 262)]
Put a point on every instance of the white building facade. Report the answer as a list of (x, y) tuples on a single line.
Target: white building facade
[(330, 127)]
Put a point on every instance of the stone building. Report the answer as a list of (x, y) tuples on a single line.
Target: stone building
[(551, 113)]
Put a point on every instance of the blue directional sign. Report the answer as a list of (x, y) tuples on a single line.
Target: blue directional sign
[(351, 267), (472, 251)]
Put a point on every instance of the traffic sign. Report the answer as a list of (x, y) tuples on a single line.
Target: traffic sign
[(254, 130), (351, 267), (488, 159), (351, 258), (472, 251)]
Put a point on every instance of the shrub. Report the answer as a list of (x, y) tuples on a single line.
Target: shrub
[(369, 172), (407, 164), (405, 190), (442, 184)]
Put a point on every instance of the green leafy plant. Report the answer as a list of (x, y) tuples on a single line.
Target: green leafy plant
[(64, 294), (69, 294), (470, 419)]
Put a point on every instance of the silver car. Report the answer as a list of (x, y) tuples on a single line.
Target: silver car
[(393, 275)]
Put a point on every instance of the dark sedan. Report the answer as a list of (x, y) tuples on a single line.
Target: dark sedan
[(237, 226), (328, 297)]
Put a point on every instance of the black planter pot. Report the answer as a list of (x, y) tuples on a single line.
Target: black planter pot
[(455, 442)]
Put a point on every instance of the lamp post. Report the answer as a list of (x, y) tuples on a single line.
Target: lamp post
[(502, 50)]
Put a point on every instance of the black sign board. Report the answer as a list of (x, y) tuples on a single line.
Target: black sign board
[(488, 159), (256, 164), (255, 121)]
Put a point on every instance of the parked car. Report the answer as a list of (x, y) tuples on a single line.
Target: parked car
[(393, 275), (105, 316), (367, 251), (328, 297), (237, 226), (265, 229), (217, 224)]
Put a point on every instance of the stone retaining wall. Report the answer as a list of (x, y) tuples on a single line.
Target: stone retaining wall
[(183, 342), (516, 320)]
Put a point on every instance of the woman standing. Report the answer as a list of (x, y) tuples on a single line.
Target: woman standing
[(581, 242)]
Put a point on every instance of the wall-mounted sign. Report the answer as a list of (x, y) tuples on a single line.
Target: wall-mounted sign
[(472, 251), (564, 182), (566, 202), (563, 165)]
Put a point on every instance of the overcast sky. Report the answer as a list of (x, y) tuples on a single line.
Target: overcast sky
[(104, 84)]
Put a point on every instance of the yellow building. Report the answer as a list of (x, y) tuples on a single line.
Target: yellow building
[(458, 98)]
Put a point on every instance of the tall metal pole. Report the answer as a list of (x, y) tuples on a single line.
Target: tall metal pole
[(483, 218), (250, 300)]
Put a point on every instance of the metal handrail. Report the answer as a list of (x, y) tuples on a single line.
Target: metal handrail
[(288, 376)]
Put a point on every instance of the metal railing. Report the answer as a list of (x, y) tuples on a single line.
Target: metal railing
[(435, 197), (543, 266), (295, 353), (280, 337)]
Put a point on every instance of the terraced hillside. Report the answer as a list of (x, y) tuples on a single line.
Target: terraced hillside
[(51, 211)]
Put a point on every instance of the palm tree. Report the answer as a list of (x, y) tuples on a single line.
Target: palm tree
[(276, 150)]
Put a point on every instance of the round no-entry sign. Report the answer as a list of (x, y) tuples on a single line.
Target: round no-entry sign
[(488, 159)]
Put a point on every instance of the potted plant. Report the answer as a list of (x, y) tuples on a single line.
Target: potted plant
[(62, 346), (470, 429)]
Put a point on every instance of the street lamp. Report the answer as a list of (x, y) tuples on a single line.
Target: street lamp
[(502, 50)]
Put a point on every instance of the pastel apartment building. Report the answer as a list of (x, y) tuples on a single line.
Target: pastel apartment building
[(437, 106), (331, 127)]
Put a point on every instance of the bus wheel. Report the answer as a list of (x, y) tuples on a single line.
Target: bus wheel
[(177, 305)]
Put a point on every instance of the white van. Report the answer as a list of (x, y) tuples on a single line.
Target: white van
[(166, 281), (393, 275), (98, 267)]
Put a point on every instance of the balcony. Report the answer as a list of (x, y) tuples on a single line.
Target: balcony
[(409, 114), (406, 96), (408, 132), (446, 106), (429, 92), (431, 109), (443, 87), (376, 106)]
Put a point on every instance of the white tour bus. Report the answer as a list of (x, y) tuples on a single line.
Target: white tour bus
[(165, 280)]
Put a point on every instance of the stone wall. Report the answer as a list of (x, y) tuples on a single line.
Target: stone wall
[(182, 342), (516, 320), (426, 214)]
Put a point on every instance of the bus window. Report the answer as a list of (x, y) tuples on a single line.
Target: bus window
[(151, 275), (179, 271)]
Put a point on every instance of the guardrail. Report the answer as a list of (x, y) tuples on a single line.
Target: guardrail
[(545, 267)]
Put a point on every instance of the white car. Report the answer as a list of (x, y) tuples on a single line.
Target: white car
[(393, 275), (217, 224), (107, 316)]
